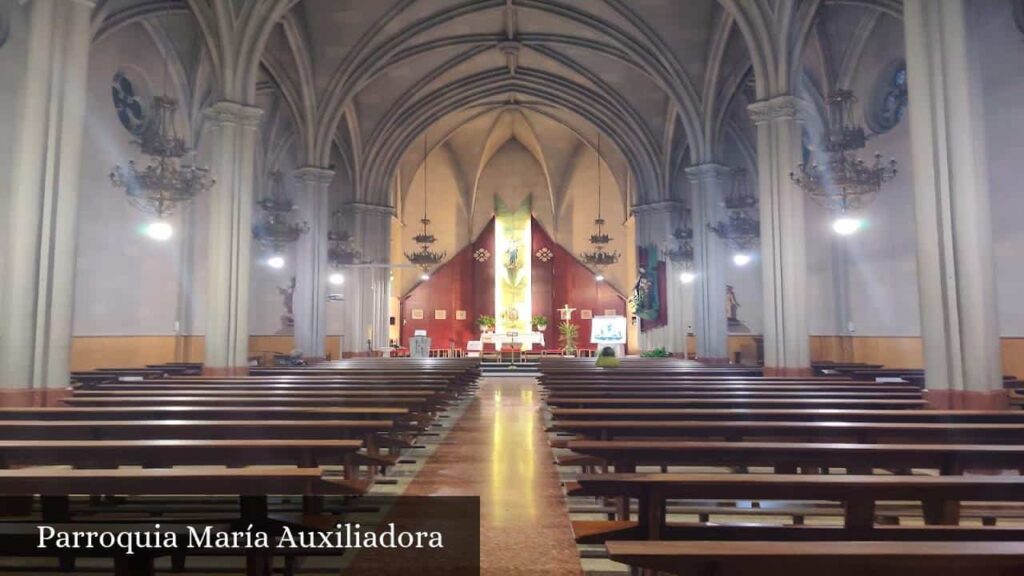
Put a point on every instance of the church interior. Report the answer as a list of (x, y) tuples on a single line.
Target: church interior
[(581, 287)]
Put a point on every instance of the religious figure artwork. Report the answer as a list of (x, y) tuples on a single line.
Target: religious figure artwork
[(732, 309), (440, 314), (586, 314), (417, 314), (732, 304), (460, 315), (512, 255), (288, 302), (565, 313), (646, 299), (892, 98)]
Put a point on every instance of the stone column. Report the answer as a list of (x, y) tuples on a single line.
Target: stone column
[(311, 267), (956, 280), (711, 184), (783, 252), (39, 269), (655, 224), (231, 141), (367, 290)]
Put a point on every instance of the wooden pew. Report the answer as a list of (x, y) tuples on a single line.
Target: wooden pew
[(250, 485), (167, 453), (420, 404), (53, 485), (750, 403), (698, 387), (371, 432), (948, 459), (857, 432), (149, 412), (738, 394), (806, 414), (815, 558), (940, 498)]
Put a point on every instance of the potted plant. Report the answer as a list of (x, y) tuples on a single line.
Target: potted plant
[(540, 323), (486, 323), (568, 334)]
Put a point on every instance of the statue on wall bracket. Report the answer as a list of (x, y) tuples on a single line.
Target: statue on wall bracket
[(646, 297)]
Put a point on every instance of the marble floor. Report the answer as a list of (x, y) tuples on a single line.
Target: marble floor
[(498, 451)]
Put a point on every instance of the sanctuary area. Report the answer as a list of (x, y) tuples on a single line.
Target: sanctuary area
[(547, 287)]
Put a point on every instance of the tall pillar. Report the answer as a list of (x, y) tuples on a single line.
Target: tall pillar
[(655, 224), (367, 294), (711, 184), (311, 267), (783, 252), (231, 141), (956, 280), (39, 272)]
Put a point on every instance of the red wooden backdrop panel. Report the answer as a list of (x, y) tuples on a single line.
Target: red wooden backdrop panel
[(465, 283)]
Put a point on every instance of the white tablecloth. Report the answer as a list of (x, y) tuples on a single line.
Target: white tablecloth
[(527, 339)]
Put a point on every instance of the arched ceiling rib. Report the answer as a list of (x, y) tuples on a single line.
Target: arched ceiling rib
[(654, 76)]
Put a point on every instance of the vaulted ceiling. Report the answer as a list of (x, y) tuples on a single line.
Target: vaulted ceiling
[(364, 81)]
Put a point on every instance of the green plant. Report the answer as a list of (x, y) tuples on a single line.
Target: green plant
[(541, 322), (568, 334), (485, 322), (656, 353)]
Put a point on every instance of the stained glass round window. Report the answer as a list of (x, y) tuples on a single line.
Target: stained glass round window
[(130, 102)]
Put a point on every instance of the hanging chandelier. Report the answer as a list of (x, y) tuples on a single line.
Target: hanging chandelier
[(742, 230), (425, 258), (165, 183), (599, 256), (682, 252), (342, 249), (843, 182), (275, 229)]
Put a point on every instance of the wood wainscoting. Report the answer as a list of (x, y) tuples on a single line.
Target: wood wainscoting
[(92, 352), (899, 352)]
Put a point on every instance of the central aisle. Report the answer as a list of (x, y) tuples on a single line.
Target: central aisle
[(498, 451)]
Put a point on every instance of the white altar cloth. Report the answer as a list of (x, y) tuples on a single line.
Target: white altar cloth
[(527, 339)]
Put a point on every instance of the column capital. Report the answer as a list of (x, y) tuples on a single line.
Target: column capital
[(363, 208), (709, 171), (230, 113), (779, 108), (314, 175)]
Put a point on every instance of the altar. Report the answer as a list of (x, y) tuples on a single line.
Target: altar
[(527, 340)]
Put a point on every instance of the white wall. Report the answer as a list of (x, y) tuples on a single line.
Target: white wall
[(126, 283), (1001, 65), (13, 53)]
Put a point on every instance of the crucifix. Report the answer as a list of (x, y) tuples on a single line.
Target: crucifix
[(565, 313)]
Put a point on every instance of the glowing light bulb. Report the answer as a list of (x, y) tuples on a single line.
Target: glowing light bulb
[(276, 262), (425, 277), (336, 279), (846, 226), (599, 277), (687, 277), (741, 259), (160, 230)]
